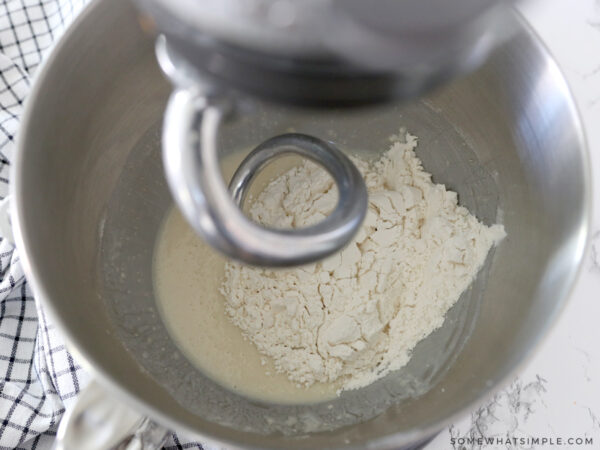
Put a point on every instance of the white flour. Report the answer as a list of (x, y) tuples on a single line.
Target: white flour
[(357, 315)]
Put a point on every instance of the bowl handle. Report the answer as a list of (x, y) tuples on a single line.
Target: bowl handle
[(97, 421)]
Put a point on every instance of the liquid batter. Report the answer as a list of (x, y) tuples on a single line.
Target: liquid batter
[(187, 277)]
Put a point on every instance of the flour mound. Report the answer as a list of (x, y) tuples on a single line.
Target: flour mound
[(357, 315)]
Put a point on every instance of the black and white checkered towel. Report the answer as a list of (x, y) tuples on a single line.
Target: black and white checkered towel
[(38, 376)]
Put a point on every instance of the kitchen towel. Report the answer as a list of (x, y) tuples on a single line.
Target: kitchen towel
[(39, 378)]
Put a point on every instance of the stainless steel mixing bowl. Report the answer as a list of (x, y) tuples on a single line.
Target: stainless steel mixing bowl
[(90, 197)]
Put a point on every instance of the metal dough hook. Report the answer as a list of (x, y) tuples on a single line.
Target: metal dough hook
[(191, 161)]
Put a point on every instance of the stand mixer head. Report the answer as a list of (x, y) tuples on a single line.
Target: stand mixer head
[(320, 53)]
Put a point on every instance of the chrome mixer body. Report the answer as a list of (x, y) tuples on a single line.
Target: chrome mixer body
[(324, 53)]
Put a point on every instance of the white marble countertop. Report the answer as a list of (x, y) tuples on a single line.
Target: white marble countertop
[(557, 395)]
